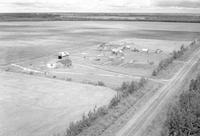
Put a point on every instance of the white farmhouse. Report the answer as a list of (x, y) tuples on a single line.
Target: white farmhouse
[(145, 50)]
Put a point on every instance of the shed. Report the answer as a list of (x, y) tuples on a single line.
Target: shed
[(145, 50), (63, 54), (158, 51)]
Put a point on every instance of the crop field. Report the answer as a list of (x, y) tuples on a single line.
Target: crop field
[(37, 106)]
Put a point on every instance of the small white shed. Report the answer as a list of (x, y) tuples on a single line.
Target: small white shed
[(145, 50)]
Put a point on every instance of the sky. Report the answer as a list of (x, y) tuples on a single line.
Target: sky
[(131, 6)]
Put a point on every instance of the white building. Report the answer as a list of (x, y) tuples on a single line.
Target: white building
[(145, 50), (63, 54)]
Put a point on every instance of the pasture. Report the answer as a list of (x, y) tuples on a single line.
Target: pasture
[(38, 106), (33, 44), (29, 40)]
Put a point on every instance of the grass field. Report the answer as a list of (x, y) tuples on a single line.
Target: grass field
[(37, 106), (135, 64), (27, 40)]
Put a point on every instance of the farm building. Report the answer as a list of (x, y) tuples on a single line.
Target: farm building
[(63, 54), (117, 51), (127, 47), (158, 51), (145, 50)]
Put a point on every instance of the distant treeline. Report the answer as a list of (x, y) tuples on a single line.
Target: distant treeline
[(190, 18)]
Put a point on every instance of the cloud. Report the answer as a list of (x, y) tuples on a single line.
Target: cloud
[(178, 3), (99, 6), (26, 4)]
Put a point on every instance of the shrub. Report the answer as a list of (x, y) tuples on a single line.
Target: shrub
[(77, 127), (102, 111), (31, 73), (7, 69), (68, 79), (100, 83), (127, 88), (151, 63), (124, 86), (184, 118), (166, 62), (142, 82), (154, 72), (132, 87), (114, 102)]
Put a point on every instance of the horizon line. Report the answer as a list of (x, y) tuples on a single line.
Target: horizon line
[(100, 12)]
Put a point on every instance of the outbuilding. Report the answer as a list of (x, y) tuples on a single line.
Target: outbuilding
[(158, 51), (63, 54), (145, 50)]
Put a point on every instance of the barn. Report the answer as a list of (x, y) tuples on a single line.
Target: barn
[(63, 54)]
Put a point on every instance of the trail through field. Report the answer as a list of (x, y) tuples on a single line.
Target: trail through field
[(112, 73)]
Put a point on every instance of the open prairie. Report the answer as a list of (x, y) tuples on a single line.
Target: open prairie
[(36, 43), (38, 106), (42, 106), (28, 40)]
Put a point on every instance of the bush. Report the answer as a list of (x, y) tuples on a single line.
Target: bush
[(124, 86), (31, 73), (7, 69), (87, 120), (184, 118), (142, 82), (68, 79), (114, 102), (132, 87), (166, 62), (77, 127), (151, 63), (155, 72), (129, 88), (100, 83)]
